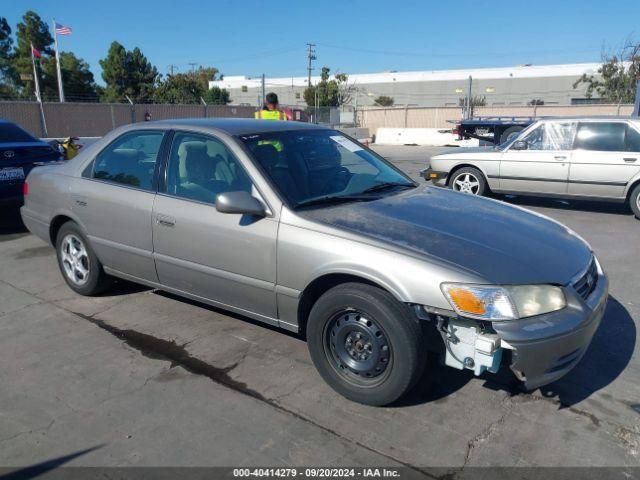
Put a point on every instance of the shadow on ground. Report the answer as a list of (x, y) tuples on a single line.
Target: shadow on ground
[(607, 357), (562, 204), (38, 469), (11, 224)]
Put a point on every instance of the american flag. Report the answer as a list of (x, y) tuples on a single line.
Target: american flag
[(62, 30)]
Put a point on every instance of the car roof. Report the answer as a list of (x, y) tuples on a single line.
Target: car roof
[(594, 118), (235, 126)]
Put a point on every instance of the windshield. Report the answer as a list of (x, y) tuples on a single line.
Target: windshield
[(312, 166)]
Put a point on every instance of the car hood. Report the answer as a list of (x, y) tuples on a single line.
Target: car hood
[(466, 150), (499, 242)]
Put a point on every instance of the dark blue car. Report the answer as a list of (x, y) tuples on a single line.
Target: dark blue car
[(19, 153)]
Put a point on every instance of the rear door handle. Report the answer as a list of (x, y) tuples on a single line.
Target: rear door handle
[(630, 159), (165, 221), (560, 157)]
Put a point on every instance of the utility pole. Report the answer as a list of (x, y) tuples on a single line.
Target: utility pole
[(311, 55), (262, 93), (636, 106), (469, 107), (171, 68), (193, 67)]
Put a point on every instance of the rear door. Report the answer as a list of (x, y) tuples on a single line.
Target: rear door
[(114, 201), (543, 167), (606, 157)]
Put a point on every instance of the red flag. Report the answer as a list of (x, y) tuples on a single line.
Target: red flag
[(35, 52)]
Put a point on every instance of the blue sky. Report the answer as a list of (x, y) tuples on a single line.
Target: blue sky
[(251, 37)]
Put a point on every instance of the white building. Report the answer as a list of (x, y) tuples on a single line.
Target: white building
[(553, 84)]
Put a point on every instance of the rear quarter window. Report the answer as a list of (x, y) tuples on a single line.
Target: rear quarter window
[(601, 137)]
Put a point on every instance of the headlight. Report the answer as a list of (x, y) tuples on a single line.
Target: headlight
[(508, 302)]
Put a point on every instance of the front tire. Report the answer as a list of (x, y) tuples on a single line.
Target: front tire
[(365, 344), (634, 201), (78, 263), (469, 180)]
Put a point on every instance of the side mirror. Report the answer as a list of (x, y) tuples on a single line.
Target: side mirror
[(520, 145), (240, 202)]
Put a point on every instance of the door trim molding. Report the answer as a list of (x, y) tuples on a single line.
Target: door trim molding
[(583, 182)]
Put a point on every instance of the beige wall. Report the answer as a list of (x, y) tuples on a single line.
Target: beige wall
[(438, 117)]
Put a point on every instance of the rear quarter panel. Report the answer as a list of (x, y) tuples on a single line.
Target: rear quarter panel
[(48, 197)]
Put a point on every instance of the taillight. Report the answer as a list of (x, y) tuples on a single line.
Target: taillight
[(25, 189)]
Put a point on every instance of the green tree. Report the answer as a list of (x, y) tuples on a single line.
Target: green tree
[(205, 75), (217, 96), (78, 82), (8, 73), (615, 81), (384, 101), (127, 73), (327, 91), (32, 30), (179, 88)]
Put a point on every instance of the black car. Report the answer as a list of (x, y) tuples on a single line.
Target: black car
[(19, 153)]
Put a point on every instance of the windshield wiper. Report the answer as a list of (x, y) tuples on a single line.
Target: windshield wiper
[(333, 199), (388, 185)]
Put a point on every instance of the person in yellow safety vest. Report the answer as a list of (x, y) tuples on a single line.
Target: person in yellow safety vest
[(270, 110)]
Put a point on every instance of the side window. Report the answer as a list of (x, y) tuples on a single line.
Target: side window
[(602, 137), (130, 159), (551, 136), (200, 167), (633, 140)]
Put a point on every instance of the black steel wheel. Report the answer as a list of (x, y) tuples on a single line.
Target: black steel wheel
[(357, 347), (367, 345)]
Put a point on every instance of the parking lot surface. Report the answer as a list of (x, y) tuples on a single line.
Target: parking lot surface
[(140, 377)]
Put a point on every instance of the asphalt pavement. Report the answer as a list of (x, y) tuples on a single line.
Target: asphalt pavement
[(139, 377)]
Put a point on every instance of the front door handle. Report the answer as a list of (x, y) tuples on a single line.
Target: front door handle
[(630, 159), (165, 221), (560, 157)]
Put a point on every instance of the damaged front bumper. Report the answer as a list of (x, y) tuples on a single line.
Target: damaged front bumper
[(546, 347), (543, 348)]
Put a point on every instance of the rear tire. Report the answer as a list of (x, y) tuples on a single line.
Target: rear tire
[(365, 344), (509, 133), (634, 201), (78, 263), (469, 180)]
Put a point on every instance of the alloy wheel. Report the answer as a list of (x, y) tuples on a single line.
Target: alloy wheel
[(75, 259), (466, 183)]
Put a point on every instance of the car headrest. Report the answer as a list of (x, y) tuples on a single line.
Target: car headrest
[(193, 146)]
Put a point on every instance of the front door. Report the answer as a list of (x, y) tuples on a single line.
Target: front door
[(605, 159), (543, 166), (229, 259), (114, 201)]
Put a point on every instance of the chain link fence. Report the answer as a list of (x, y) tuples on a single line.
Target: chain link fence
[(58, 120), (95, 119)]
